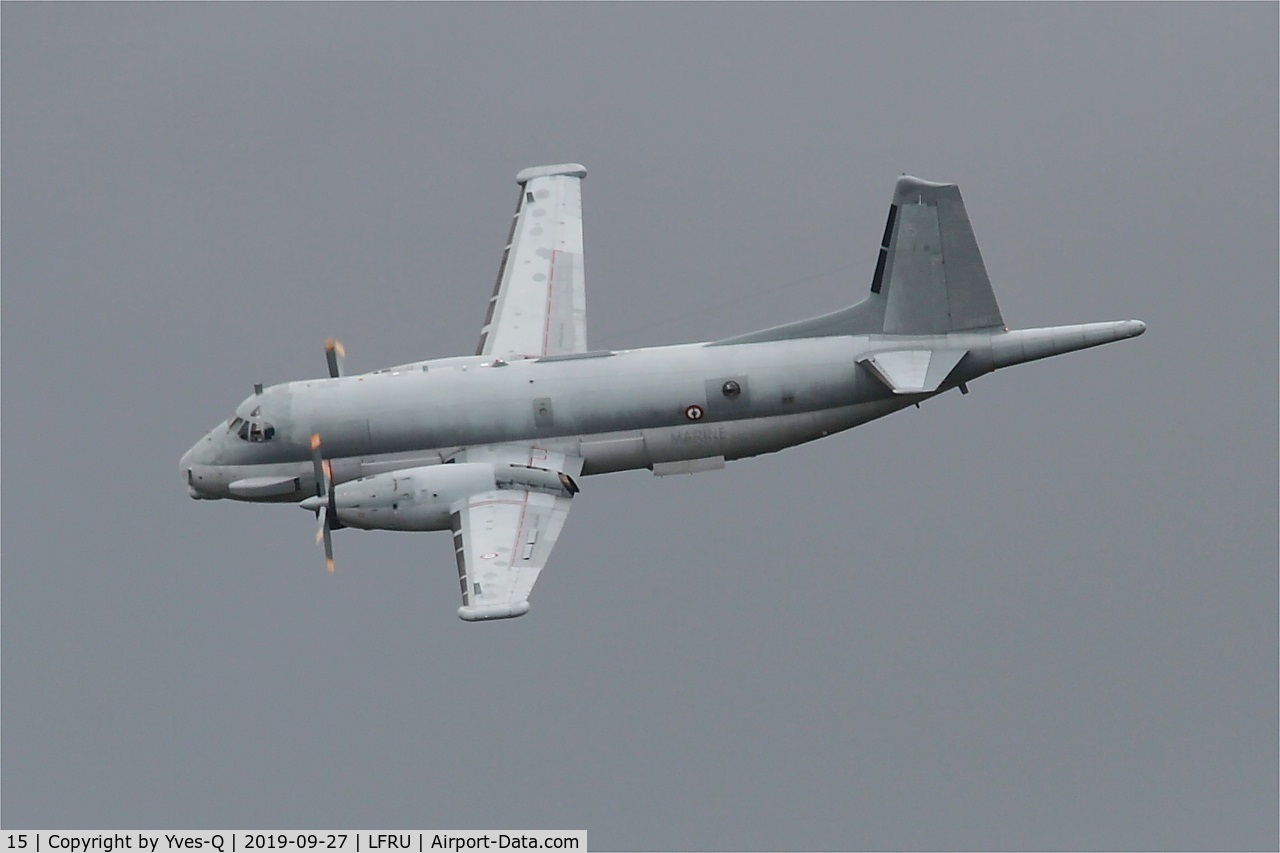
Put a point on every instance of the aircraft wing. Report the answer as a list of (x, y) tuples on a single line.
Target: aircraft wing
[(502, 538), (539, 304)]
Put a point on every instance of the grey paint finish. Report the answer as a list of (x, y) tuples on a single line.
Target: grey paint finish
[(930, 278), (635, 409), (971, 303), (687, 404), (936, 281), (730, 396), (194, 200), (916, 293), (544, 417)]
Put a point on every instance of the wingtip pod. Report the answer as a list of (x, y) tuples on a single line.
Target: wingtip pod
[(485, 612), (573, 170)]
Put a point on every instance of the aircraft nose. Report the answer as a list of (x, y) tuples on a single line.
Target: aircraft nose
[(190, 458), (184, 468), (200, 454)]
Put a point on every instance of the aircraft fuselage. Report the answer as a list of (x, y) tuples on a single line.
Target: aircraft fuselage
[(645, 408)]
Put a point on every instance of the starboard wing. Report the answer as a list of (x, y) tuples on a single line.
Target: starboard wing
[(503, 538), (539, 302)]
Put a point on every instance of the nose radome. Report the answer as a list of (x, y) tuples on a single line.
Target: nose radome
[(201, 453)]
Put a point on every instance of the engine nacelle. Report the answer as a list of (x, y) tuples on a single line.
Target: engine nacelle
[(424, 498)]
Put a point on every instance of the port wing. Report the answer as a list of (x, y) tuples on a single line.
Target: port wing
[(539, 302)]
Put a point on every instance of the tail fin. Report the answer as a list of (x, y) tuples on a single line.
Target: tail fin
[(930, 270), (929, 278)]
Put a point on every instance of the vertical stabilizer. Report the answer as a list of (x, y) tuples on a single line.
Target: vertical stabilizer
[(930, 269), (929, 277)]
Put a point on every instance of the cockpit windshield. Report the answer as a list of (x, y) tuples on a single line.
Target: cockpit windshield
[(252, 429)]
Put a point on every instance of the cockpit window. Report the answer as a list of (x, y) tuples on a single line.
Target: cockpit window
[(254, 430)]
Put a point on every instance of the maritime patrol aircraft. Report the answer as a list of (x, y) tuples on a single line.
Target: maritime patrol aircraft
[(492, 446)]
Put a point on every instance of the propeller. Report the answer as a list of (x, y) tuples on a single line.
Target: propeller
[(336, 355), (323, 504)]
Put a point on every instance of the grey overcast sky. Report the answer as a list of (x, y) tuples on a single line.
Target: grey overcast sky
[(1040, 616)]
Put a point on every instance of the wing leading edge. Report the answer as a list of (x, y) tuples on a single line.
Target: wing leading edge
[(539, 302)]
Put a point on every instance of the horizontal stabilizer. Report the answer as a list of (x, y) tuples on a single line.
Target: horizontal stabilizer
[(913, 371)]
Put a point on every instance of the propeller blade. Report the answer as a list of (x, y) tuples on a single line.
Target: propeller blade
[(328, 549), (324, 504), (324, 532), (336, 355)]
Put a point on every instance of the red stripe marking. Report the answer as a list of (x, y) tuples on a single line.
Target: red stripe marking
[(551, 283), (515, 548)]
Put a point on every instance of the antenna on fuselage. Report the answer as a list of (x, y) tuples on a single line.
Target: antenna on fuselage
[(336, 355)]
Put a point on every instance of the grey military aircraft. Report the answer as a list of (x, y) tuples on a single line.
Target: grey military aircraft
[(491, 446)]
